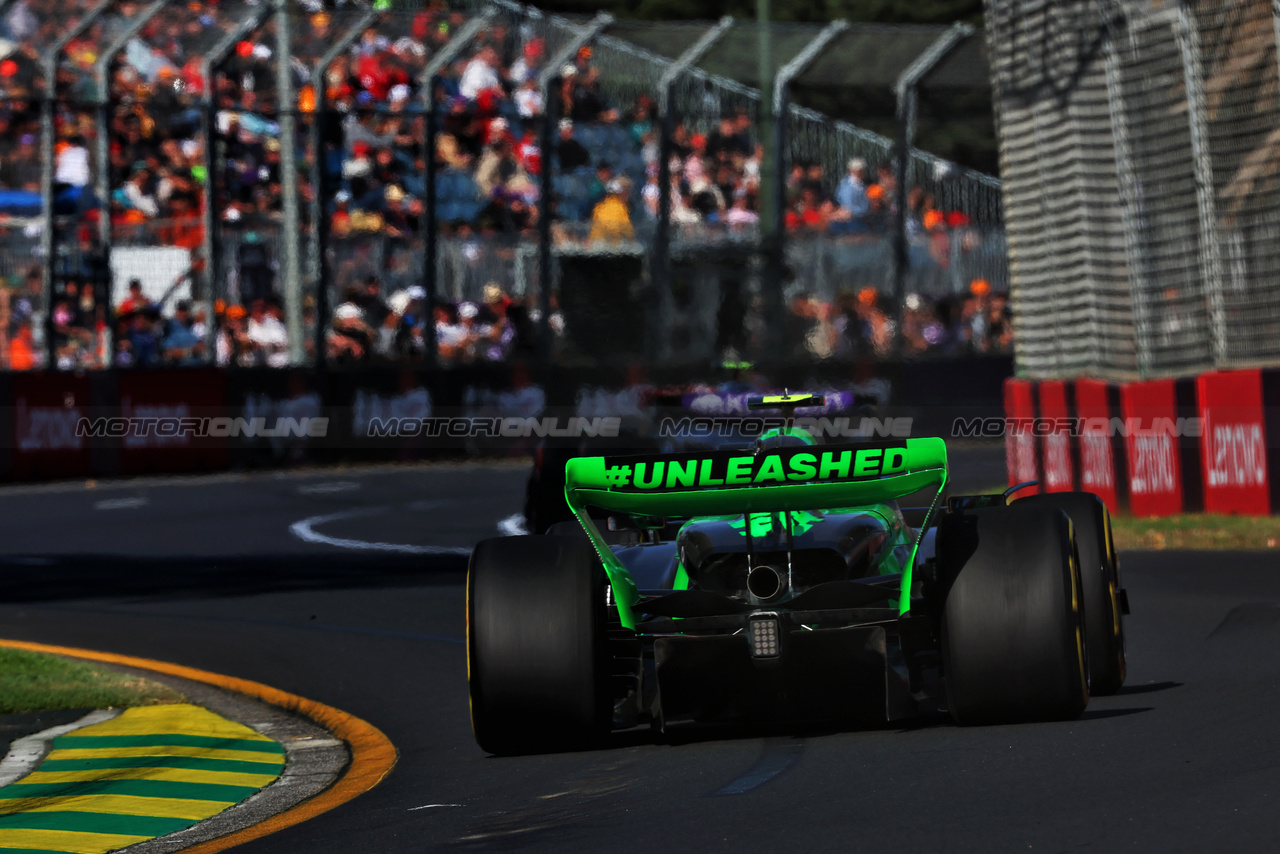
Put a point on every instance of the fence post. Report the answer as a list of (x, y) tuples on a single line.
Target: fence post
[(549, 83), (662, 236), (776, 242), (212, 244), (906, 92), (319, 261), (430, 228), (102, 184), (49, 236), (1206, 205), (1130, 203), (291, 229), (103, 105)]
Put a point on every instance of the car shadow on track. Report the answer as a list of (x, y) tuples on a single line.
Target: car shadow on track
[(1100, 714), (40, 578), (1149, 688)]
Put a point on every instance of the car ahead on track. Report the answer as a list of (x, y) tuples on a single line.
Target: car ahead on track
[(782, 583)]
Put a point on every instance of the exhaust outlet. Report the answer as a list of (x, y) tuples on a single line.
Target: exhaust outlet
[(766, 583)]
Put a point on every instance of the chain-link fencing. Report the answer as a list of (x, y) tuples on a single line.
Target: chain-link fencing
[(248, 183), (1139, 145)]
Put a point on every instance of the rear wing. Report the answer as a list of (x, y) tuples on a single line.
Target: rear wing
[(720, 483)]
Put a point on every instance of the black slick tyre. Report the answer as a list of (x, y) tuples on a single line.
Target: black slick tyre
[(1100, 583), (536, 644), (1012, 618)]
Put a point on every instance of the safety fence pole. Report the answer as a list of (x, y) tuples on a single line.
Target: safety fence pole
[(775, 245), (549, 83), (431, 249), (1129, 202), (291, 228), (321, 191), (49, 236), (906, 92), (661, 265), (1210, 256), (211, 246)]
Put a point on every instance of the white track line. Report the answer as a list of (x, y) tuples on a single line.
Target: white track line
[(328, 488), (305, 531), (433, 806), (25, 753), (121, 503)]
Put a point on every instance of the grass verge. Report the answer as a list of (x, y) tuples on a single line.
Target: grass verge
[(1197, 531), (36, 682)]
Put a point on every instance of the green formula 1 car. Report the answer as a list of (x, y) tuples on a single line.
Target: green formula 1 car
[(782, 582)]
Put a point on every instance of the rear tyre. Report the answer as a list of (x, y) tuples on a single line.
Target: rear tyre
[(536, 644), (1012, 624), (1100, 585)]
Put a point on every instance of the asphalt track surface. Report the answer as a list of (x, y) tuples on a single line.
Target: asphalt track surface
[(207, 573)]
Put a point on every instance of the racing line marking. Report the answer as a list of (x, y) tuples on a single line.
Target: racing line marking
[(305, 531), (778, 755)]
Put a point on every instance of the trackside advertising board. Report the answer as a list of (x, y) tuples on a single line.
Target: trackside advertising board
[(166, 413), (47, 407), (1233, 443), (1150, 412), (1095, 446), (1056, 443), (1020, 444)]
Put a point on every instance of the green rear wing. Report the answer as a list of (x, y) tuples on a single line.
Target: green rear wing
[(720, 483)]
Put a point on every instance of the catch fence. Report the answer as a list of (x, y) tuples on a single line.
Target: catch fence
[(331, 183), (1140, 149)]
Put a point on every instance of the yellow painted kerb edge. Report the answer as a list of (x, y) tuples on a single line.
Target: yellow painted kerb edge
[(372, 753)]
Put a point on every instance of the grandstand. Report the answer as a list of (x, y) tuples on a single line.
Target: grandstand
[(236, 182)]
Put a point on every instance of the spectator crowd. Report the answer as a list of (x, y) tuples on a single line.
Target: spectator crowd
[(365, 111)]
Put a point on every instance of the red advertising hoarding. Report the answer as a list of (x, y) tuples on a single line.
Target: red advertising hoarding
[(48, 440), (1150, 413), (171, 421), (1232, 442), (1019, 437), (1097, 461), (1055, 443)]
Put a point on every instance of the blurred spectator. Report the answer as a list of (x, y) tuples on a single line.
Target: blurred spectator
[(481, 75), (851, 194), (741, 216), (181, 343), (136, 301), (573, 154), (610, 220), (266, 331)]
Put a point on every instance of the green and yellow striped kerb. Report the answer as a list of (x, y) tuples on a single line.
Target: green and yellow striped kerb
[(151, 771)]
